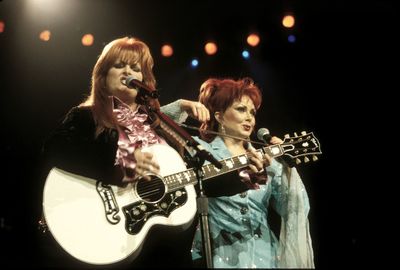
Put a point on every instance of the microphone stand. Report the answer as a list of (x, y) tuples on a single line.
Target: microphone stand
[(196, 160), (202, 211)]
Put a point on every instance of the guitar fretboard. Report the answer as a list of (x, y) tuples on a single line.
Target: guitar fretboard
[(181, 179)]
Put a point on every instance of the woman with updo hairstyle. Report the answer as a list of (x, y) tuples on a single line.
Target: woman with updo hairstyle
[(240, 233)]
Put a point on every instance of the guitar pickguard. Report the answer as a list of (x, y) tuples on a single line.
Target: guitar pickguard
[(138, 213)]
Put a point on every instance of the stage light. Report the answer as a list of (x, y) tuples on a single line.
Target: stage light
[(167, 50), (194, 63), (246, 54), (2, 26), (45, 35), (39, 10), (288, 21), (210, 48), (87, 40), (253, 40), (292, 38)]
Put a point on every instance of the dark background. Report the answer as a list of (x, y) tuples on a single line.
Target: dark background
[(336, 80)]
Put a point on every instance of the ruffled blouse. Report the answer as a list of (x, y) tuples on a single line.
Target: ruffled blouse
[(134, 132)]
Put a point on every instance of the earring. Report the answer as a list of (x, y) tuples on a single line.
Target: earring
[(222, 129)]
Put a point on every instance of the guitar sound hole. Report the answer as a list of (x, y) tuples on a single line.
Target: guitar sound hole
[(151, 191)]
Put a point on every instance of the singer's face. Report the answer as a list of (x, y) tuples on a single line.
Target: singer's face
[(115, 81), (239, 119)]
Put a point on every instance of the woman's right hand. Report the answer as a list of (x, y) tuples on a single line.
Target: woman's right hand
[(145, 164), (195, 109)]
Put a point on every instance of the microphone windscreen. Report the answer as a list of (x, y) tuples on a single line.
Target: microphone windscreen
[(261, 133), (129, 81)]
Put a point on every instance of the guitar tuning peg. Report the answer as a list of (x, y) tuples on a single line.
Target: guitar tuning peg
[(306, 159), (314, 158), (303, 133), (298, 161), (295, 134), (286, 136)]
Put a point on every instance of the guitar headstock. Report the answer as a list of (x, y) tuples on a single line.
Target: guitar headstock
[(304, 145)]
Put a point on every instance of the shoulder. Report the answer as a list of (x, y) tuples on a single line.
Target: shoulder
[(216, 146), (79, 114), (201, 141), (80, 111), (79, 118)]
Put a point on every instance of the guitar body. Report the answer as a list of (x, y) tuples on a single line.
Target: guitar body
[(104, 224)]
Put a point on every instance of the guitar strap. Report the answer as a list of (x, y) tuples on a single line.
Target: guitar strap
[(176, 136), (164, 126)]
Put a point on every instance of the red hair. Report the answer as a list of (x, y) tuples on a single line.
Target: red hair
[(219, 94), (128, 50)]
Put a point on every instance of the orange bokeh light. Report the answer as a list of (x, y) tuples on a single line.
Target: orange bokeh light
[(2, 26), (167, 50), (288, 21), (45, 35), (211, 48), (253, 40), (87, 40)]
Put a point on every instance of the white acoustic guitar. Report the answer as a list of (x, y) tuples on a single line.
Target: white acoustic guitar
[(104, 224)]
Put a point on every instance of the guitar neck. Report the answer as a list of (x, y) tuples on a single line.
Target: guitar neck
[(181, 179)]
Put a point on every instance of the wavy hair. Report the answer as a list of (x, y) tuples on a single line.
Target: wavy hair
[(129, 50), (219, 94)]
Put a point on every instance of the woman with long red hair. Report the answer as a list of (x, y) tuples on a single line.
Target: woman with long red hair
[(103, 139)]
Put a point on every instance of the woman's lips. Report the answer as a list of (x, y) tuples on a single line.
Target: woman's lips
[(246, 127)]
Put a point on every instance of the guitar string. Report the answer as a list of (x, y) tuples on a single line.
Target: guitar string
[(208, 171), (208, 167), (150, 186)]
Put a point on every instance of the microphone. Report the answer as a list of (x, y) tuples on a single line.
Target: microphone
[(263, 135), (144, 90)]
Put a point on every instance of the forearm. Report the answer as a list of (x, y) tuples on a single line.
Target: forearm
[(174, 111)]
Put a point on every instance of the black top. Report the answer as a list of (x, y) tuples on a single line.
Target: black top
[(73, 147)]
